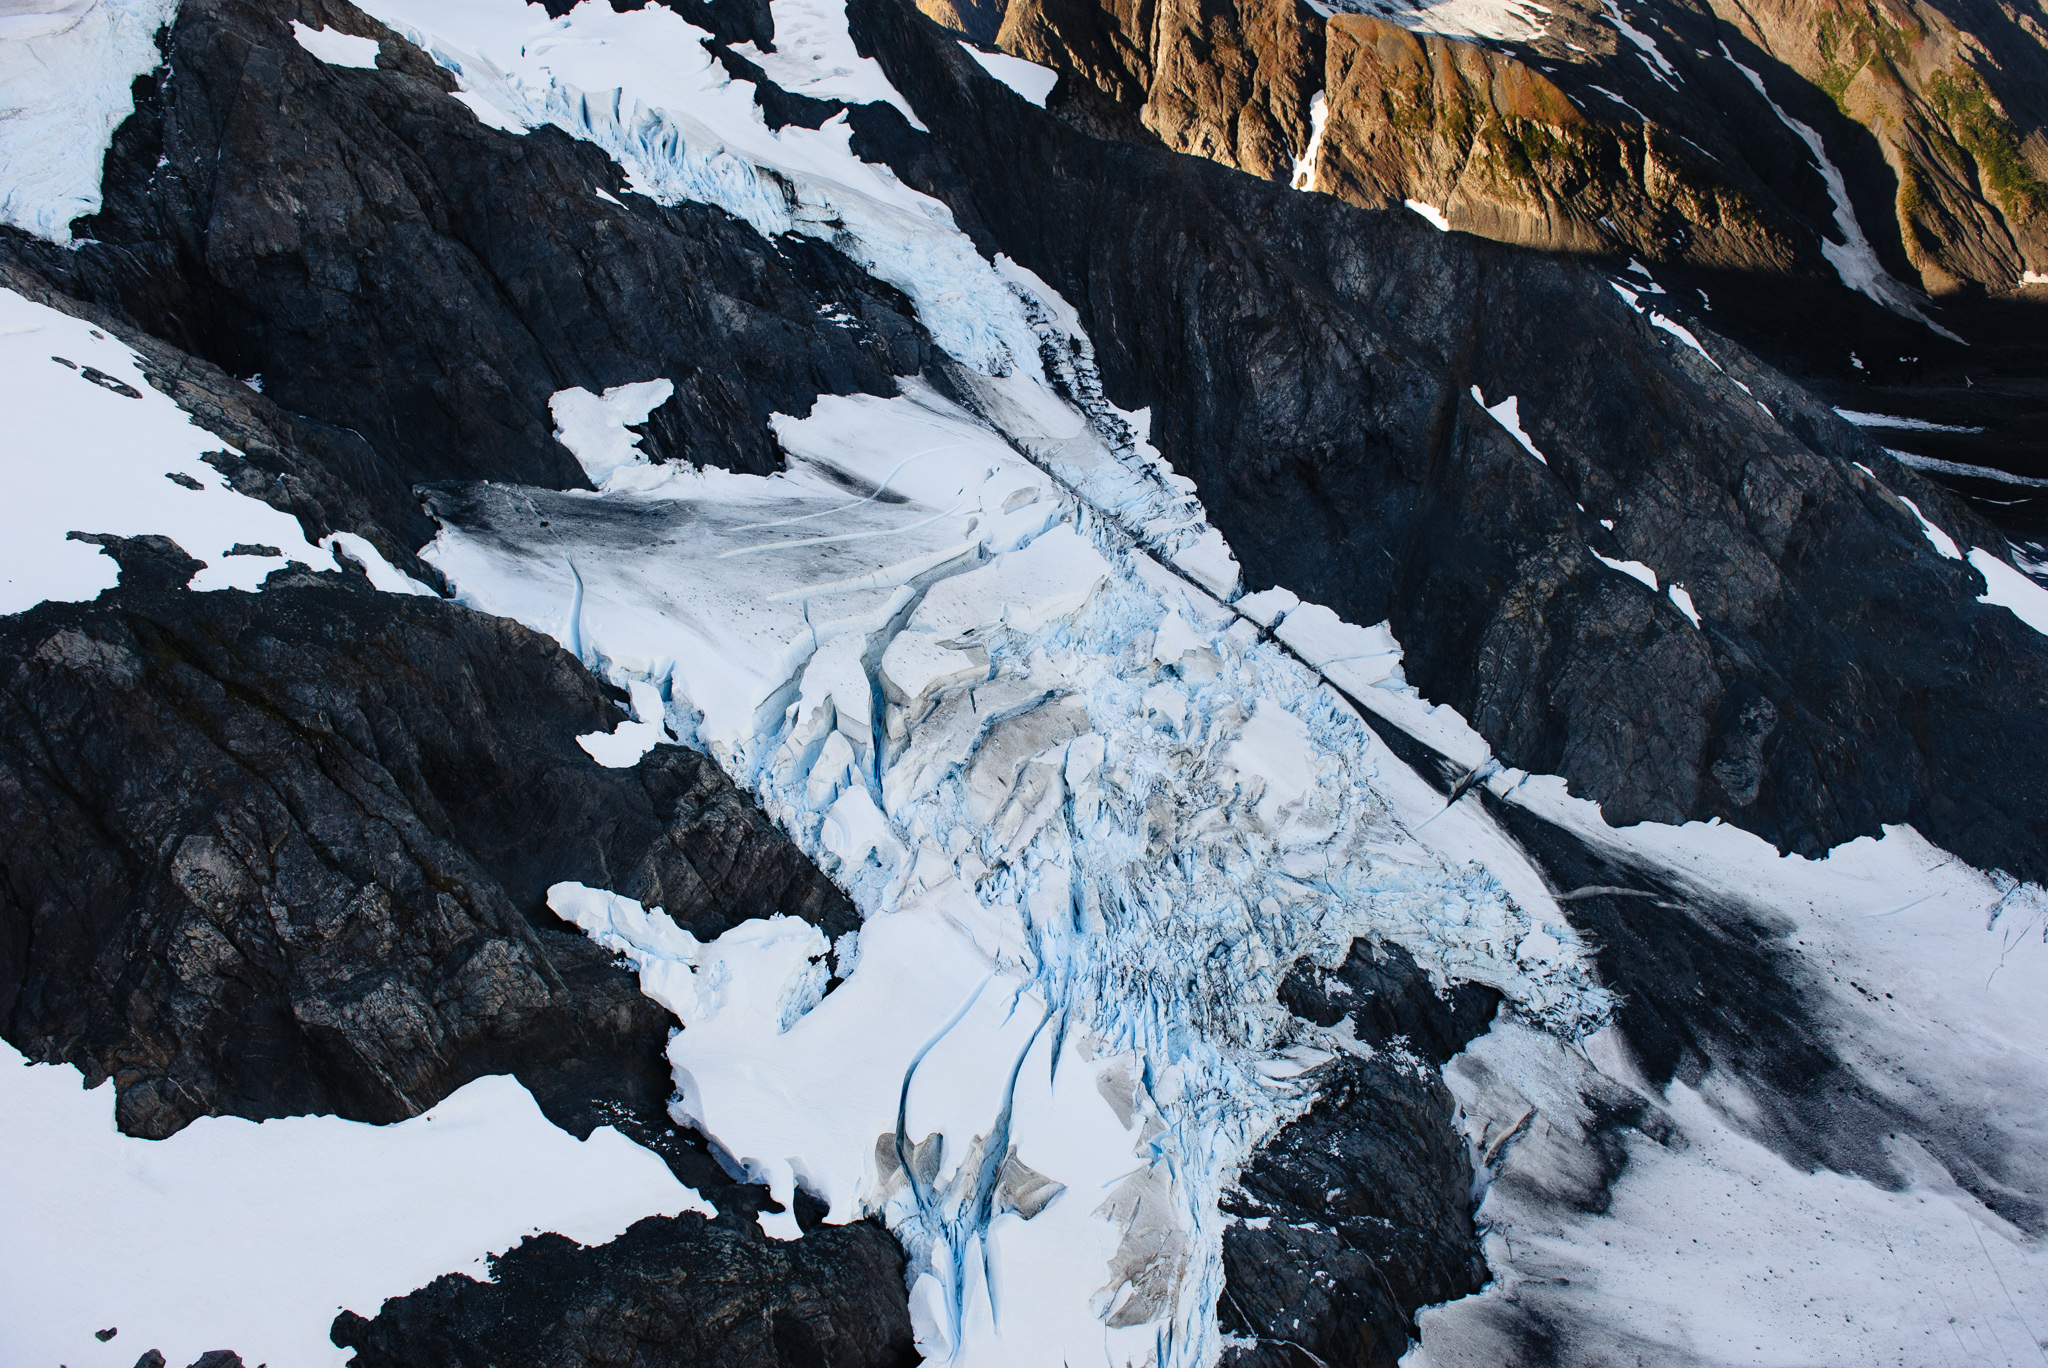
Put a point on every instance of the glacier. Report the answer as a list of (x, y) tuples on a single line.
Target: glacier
[(68, 70), (1091, 814)]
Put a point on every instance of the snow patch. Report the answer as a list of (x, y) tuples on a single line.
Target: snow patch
[(2008, 588), (815, 56), (254, 1234), (1974, 472), (1432, 213), (1635, 570), (1507, 21), (1853, 258), (1304, 176), (94, 448), (1940, 540), (382, 574), (624, 745), (336, 48), (1507, 415), (1683, 602), (596, 428), (1886, 420), (1653, 56), (1029, 79)]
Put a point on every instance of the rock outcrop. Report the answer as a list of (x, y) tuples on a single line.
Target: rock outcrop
[(288, 852)]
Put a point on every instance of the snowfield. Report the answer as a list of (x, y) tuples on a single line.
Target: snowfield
[(255, 1234)]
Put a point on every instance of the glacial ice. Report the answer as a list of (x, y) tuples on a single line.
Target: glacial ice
[(983, 663), (1090, 819), (641, 85), (68, 70), (255, 1233)]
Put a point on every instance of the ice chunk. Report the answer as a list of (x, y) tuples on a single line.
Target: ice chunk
[(1209, 560), (1268, 605)]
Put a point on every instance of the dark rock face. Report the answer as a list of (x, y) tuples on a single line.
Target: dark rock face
[(1360, 1211), (670, 1291), (287, 852), (397, 270), (1311, 367), (280, 853)]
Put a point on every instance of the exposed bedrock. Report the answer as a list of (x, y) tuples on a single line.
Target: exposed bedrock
[(395, 269), (1548, 126), (269, 854), (1360, 1211), (672, 1291), (1311, 366), (287, 852)]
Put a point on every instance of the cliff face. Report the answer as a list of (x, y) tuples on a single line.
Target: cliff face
[(1577, 128)]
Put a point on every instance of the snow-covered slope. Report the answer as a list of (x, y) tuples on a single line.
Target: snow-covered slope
[(256, 1233)]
